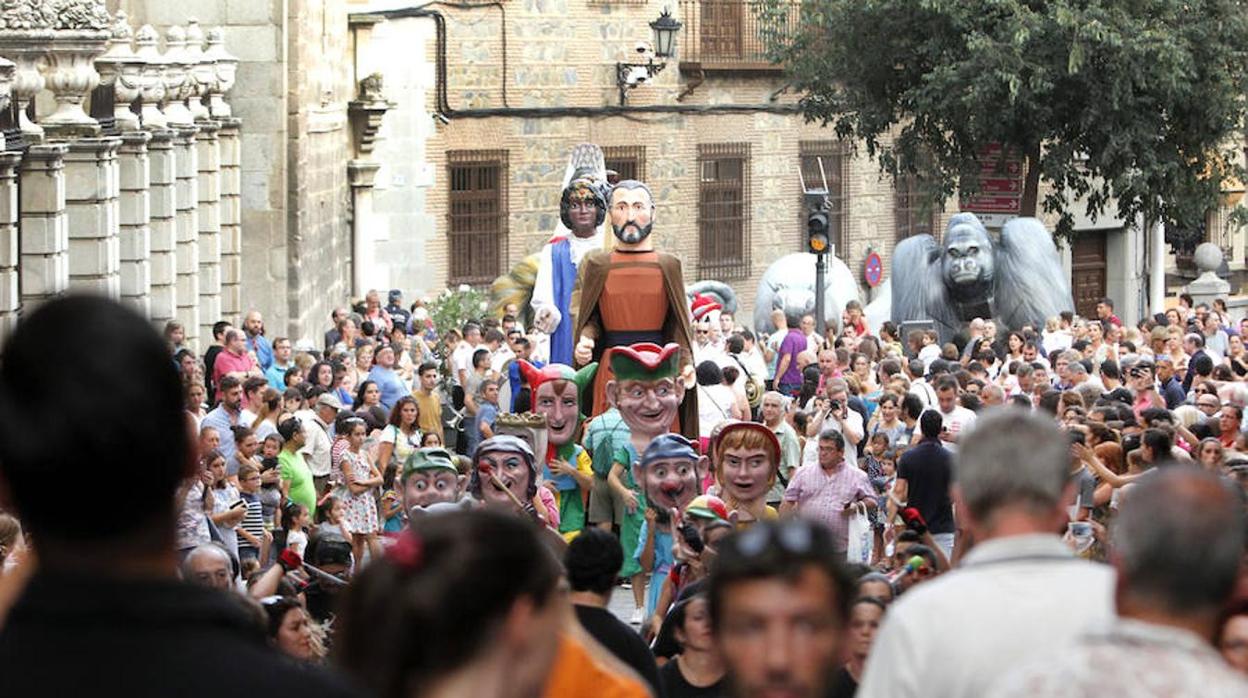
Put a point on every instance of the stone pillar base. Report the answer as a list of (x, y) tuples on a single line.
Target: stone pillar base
[(10, 297), (162, 200), (134, 216), (231, 220), (43, 231), (208, 154), (91, 192), (187, 226)]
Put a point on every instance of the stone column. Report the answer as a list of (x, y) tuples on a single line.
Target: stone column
[(208, 156), (43, 232), (362, 176), (10, 298), (186, 168), (162, 176), (135, 216), (91, 209), (231, 220)]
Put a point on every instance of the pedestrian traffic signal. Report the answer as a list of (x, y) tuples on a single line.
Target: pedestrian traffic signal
[(817, 233)]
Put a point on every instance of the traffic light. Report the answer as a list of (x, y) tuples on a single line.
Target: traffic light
[(817, 233)]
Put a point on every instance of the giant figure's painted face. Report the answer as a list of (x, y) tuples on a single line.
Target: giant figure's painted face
[(559, 402), (632, 214), (747, 458), (582, 207), (425, 487), (670, 483), (513, 472), (649, 407), (967, 257)]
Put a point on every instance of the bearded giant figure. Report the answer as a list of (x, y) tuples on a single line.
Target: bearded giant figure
[(1016, 280)]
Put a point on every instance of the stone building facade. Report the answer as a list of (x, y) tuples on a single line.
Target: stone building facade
[(295, 79), (127, 171), (714, 133)]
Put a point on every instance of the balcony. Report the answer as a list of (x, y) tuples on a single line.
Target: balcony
[(730, 35)]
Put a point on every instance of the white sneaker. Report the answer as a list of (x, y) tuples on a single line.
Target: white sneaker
[(636, 617)]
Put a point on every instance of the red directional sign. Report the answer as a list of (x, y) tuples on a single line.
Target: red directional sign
[(1000, 183)]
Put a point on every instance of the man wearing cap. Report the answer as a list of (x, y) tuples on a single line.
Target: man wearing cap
[(318, 437), (430, 477), (394, 307), (555, 393), (647, 389), (746, 457)]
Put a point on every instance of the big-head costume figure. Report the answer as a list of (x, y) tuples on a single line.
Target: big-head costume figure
[(430, 478), (647, 390), (582, 208), (747, 459), (670, 473), (507, 461), (556, 395), (633, 294)]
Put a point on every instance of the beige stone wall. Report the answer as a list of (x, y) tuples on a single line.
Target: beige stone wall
[(562, 53), (294, 81), (318, 229)]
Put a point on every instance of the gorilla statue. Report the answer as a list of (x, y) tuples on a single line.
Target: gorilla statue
[(1018, 280)]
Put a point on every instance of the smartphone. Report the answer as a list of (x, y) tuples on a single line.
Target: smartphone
[(239, 503)]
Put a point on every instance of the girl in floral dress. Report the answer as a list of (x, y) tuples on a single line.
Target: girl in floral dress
[(362, 479)]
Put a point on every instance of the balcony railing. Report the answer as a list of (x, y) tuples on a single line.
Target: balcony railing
[(731, 35)]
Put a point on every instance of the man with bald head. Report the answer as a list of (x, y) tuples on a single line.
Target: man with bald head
[(257, 343)]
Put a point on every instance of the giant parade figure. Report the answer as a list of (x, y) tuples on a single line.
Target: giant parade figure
[(631, 295), (556, 391), (582, 209)]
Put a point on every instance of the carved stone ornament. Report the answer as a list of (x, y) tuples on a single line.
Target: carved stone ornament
[(121, 69), (67, 15), (177, 78), (227, 70), (203, 71), (151, 77)]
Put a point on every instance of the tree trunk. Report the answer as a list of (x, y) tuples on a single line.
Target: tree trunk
[(1031, 183)]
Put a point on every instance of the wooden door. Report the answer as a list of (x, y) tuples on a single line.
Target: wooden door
[(1088, 265), (721, 30)]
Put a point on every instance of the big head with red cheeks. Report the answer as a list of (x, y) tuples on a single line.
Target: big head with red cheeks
[(646, 389), (670, 472), (509, 459), (556, 391)]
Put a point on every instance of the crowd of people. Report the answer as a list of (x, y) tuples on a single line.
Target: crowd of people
[(1040, 511)]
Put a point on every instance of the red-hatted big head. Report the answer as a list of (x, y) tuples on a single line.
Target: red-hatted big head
[(646, 387), (556, 394)]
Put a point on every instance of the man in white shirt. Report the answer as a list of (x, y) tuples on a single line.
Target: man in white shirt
[(1178, 540), (318, 439), (837, 417), (1017, 594), (461, 358), (957, 419)]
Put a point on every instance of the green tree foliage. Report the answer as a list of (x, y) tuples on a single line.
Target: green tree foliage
[(1142, 100)]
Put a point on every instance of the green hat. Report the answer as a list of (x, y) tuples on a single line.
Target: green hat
[(645, 361), (429, 459)]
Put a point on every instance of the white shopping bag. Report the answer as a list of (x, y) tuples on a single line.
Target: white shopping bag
[(861, 538)]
